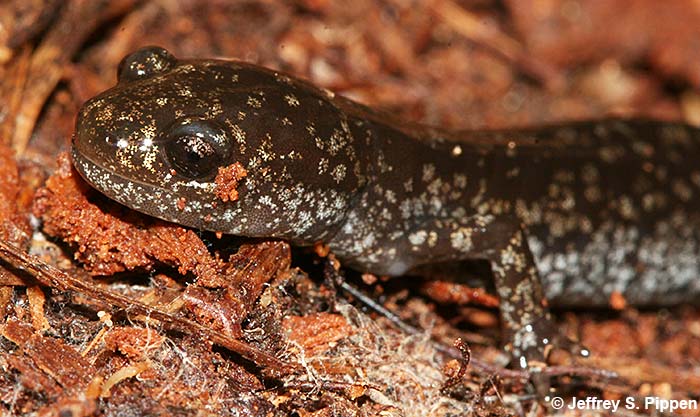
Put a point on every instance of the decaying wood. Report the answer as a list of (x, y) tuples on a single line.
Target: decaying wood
[(55, 278)]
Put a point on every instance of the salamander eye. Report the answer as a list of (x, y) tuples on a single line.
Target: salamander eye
[(145, 63), (196, 148)]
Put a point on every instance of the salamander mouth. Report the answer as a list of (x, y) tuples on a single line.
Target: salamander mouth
[(137, 195), (95, 174)]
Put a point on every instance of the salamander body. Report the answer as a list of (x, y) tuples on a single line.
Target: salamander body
[(587, 209)]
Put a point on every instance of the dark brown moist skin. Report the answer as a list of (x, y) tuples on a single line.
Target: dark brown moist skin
[(590, 208)]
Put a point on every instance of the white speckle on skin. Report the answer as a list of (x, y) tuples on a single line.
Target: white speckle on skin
[(338, 173), (418, 238)]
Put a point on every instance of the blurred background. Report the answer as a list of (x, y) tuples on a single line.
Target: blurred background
[(463, 64)]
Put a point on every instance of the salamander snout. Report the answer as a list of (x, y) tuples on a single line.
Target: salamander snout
[(157, 141)]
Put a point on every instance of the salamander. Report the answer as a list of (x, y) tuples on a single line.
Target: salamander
[(570, 213)]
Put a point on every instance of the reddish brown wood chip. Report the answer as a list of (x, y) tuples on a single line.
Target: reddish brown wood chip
[(238, 287), (63, 363), (37, 299), (617, 301), (111, 238), (316, 332), (218, 310), (255, 265), (450, 292), (14, 227), (133, 342), (227, 181), (33, 379)]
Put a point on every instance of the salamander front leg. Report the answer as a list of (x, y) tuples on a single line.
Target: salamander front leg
[(526, 322), (528, 331), (527, 327)]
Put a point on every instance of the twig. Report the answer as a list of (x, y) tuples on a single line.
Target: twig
[(55, 278), (466, 352), (457, 351), (335, 276)]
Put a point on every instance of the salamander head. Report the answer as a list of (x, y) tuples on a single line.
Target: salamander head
[(155, 143)]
